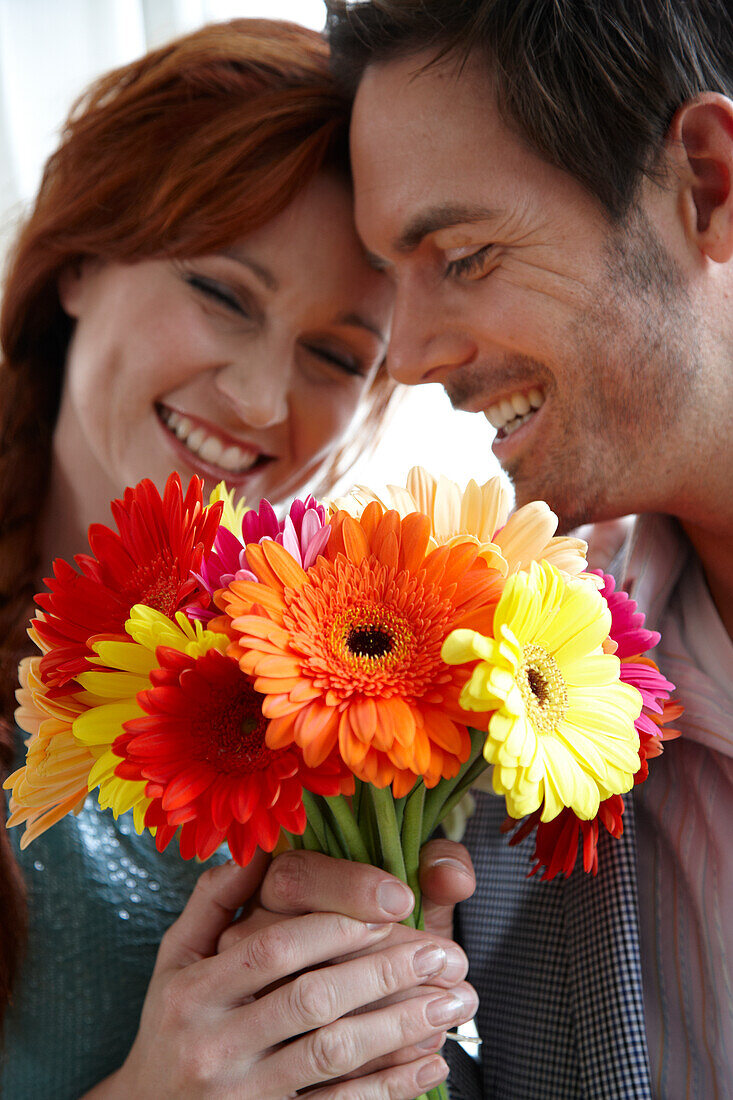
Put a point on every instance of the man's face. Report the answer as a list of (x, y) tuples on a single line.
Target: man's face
[(576, 338)]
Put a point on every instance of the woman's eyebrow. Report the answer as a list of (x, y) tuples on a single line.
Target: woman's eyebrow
[(361, 322), (263, 274)]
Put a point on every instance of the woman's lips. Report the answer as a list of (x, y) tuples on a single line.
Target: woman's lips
[(207, 447)]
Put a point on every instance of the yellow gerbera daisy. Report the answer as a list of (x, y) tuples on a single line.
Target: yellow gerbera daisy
[(562, 732), (478, 514), (233, 511)]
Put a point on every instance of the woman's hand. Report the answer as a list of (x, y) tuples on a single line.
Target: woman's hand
[(273, 1014)]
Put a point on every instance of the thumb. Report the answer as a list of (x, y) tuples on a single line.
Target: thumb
[(219, 892), (446, 877)]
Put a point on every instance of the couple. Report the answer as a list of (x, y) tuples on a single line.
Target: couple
[(545, 196)]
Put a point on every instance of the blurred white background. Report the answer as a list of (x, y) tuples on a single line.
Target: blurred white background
[(51, 49)]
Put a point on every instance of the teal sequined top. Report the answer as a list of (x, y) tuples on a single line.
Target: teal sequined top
[(100, 898)]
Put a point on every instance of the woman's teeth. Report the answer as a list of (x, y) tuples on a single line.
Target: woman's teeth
[(509, 415), (208, 447)]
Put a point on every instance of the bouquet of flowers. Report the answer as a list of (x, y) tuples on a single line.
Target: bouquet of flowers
[(343, 676)]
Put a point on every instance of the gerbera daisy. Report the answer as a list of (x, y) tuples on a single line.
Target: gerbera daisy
[(304, 532), (348, 651), (479, 514), (53, 781), (200, 748), (149, 559), (556, 842), (562, 731)]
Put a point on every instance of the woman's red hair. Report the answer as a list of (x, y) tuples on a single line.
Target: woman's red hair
[(177, 154)]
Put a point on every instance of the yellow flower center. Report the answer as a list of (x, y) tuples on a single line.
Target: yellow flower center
[(543, 688)]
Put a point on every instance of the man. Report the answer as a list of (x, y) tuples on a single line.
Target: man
[(550, 186)]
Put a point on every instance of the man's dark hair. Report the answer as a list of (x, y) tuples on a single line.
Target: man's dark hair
[(591, 85)]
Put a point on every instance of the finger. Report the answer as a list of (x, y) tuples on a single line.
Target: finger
[(320, 997), (446, 877), (343, 1046), (456, 966), (401, 1083), (432, 1045), (307, 882), (216, 897), (270, 954)]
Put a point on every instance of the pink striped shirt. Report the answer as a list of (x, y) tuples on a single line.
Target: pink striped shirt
[(685, 827)]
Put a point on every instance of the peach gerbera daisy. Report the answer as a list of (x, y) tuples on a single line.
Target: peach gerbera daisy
[(348, 651), (53, 781), (479, 514)]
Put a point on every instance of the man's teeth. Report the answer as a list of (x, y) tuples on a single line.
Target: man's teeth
[(208, 447), (509, 415)]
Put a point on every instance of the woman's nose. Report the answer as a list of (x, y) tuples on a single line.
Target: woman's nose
[(423, 340), (258, 391)]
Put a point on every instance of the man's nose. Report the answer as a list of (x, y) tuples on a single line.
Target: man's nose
[(258, 391), (425, 342)]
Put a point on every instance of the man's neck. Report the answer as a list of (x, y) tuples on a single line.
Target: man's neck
[(714, 548)]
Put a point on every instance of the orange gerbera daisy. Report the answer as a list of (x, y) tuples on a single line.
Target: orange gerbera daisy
[(148, 560), (348, 651)]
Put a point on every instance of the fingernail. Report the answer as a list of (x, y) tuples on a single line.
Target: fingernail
[(432, 1073), (435, 1042), (448, 1010), (379, 929), (428, 960), (453, 865), (456, 965), (395, 898)]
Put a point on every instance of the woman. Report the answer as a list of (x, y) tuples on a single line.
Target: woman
[(188, 293)]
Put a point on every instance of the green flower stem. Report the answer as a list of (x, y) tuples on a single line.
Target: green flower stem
[(411, 838), (316, 824), (437, 799), (347, 828), (389, 837), (467, 781)]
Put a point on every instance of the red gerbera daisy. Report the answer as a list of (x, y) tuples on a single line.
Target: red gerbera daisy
[(348, 651), (556, 842), (201, 747), (149, 559)]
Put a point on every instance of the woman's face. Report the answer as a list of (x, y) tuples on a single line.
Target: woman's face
[(245, 365)]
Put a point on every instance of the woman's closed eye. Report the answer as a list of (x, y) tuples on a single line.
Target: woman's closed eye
[(219, 293), (473, 266), (337, 358)]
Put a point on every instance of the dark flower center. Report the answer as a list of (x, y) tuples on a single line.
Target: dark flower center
[(538, 685), (369, 641), (231, 733)]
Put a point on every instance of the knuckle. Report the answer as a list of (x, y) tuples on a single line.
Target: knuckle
[(313, 999), (287, 879), (268, 950), (177, 1003), (198, 1064), (387, 975), (332, 1052)]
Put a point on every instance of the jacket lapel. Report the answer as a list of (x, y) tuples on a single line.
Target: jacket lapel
[(605, 971)]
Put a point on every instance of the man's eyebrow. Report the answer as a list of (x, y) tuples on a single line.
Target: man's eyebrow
[(440, 217), (263, 274)]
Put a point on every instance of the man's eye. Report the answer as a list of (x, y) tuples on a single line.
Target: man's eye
[(472, 266), (218, 293)]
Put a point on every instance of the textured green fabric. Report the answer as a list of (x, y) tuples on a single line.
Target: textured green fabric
[(100, 899)]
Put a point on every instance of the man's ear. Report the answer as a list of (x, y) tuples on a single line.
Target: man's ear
[(700, 144)]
